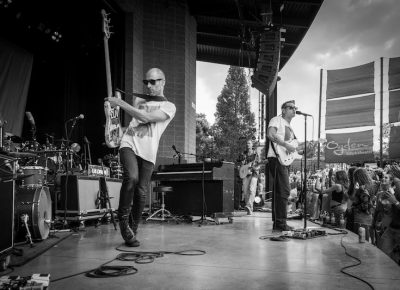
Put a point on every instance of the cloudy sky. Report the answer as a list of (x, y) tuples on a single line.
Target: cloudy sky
[(345, 33)]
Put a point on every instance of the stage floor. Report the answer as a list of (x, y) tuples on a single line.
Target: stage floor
[(236, 258)]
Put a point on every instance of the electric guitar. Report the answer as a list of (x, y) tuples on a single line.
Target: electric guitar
[(246, 169), (286, 158), (113, 131)]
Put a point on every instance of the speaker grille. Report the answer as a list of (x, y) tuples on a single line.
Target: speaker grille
[(266, 73)]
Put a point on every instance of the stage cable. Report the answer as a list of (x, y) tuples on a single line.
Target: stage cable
[(108, 271), (354, 265)]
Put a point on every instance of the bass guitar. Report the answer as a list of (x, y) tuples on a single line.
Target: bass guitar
[(113, 131)]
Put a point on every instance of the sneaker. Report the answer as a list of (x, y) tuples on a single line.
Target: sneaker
[(248, 210), (284, 227), (127, 234)]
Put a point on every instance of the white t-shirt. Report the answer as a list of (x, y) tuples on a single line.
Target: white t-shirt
[(146, 146), (284, 131)]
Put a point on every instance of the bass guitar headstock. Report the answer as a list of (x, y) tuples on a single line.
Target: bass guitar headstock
[(106, 24)]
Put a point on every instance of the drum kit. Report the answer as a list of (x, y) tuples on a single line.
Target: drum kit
[(37, 171)]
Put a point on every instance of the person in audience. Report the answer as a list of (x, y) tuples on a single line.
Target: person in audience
[(362, 203), (349, 216), (389, 242), (334, 198), (383, 211)]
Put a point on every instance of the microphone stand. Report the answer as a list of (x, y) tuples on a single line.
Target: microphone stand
[(304, 191), (68, 154), (203, 219)]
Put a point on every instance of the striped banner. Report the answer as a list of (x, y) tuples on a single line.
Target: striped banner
[(352, 112), (394, 143), (350, 81), (394, 73)]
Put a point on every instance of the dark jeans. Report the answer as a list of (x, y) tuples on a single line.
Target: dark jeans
[(135, 184), (281, 191)]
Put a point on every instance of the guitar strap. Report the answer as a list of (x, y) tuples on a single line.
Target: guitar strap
[(273, 148)]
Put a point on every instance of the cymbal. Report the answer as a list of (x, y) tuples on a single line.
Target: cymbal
[(16, 177), (62, 140), (49, 151), (22, 154), (13, 138)]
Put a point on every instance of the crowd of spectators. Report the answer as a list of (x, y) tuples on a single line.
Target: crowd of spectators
[(359, 197)]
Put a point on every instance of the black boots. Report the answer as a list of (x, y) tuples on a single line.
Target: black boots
[(127, 233)]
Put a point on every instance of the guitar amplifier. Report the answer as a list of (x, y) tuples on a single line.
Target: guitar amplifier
[(81, 196), (7, 191)]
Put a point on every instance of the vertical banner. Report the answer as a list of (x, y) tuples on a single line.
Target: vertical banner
[(350, 81), (394, 73), (394, 143), (349, 147)]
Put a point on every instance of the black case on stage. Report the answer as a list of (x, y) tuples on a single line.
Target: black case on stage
[(7, 191)]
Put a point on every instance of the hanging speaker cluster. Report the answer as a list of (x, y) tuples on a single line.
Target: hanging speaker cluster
[(266, 72)]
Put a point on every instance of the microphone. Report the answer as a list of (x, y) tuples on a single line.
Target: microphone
[(176, 151), (81, 116), (301, 113), (30, 118)]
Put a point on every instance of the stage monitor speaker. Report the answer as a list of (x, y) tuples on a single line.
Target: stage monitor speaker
[(266, 73), (7, 191), (84, 193), (187, 197)]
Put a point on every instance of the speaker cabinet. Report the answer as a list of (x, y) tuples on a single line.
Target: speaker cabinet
[(82, 195), (187, 197), (266, 72), (7, 190)]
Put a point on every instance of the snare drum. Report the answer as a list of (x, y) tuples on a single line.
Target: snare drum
[(36, 178), (36, 203)]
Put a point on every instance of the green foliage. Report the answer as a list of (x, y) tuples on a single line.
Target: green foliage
[(234, 120), (204, 138)]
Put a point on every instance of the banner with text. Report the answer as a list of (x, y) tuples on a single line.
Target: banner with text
[(349, 147)]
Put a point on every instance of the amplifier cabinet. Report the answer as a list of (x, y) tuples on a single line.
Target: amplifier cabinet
[(81, 195), (187, 197), (7, 190)]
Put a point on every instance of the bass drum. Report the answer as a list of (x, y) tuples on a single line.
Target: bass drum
[(36, 203)]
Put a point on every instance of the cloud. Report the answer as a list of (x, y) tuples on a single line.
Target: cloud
[(389, 43), (351, 51)]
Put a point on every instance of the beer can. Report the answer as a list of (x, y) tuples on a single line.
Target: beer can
[(361, 235)]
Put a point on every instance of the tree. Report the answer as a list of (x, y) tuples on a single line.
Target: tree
[(234, 120), (204, 139)]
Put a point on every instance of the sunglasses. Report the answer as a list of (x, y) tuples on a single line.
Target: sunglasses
[(291, 107), (152, 82)]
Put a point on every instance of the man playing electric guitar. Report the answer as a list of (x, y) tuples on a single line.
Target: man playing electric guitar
[(280, 133), (249, 161)]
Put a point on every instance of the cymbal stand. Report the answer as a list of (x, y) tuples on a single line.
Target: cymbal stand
[(107, 198), (68, 154)]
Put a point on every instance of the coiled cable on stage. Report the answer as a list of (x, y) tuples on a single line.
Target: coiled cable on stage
[(105, 271), (111, 271)]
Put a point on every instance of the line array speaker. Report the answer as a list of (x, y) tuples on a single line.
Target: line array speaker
[(266, 73)]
